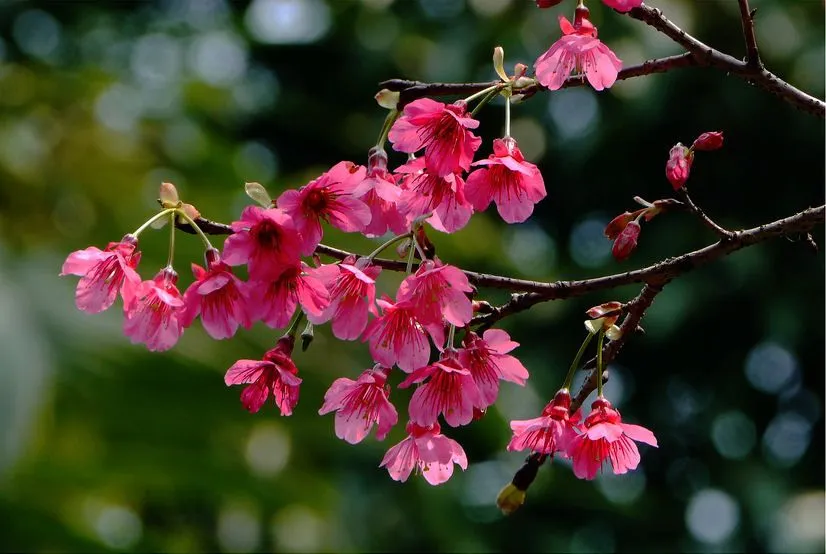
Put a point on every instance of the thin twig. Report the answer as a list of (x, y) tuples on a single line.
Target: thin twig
[(752, 54), (707, 221)]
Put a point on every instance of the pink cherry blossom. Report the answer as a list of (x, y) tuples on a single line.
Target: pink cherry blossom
[(488, 360), (397, 337), (328, 198), (361, 404), (275, 372), (352, 288), (275, 301), (442, 130), (154, 314), (449, 390), (678, 166), (514, 184), (424, 192), (552, 432), (578, 49), (104, 273), (218, 296), (264, 239), (626, 241), (381, 194), (438, 290), (606, 437), (622, 5), (428, 452)]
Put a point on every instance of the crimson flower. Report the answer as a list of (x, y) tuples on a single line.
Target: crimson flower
[(488, 360), (274, 301), (381, 194), (551, 432), (425, 192), (275, 372), (352, 289), (580, 49), (397, 337), (426, 450), (264, 239), (507, 179), (361, 404), (622, 5), (104, 273), (438, 290), (154, 315)]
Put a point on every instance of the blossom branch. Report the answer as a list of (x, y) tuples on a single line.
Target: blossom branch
[(752, 54), (707, 221)]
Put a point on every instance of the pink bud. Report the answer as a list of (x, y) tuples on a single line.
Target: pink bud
[(678, 165), (547, 3), (708, 141), (626, 241), (616, 225)]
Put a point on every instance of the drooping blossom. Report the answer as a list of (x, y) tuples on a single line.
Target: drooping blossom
[(104, 273), (580, 49), (438, 290), (448, 389), (678, 166), (352, 290), (218, 296), (274, 301), (622, 5), (626, 241), (508, 180), (328, 198), (549, 433), (276, 373), (154, 314), (605, 437), (442, 130), (381, 194), (711, 140), (428, 452), (424, 192), (264, 239), (397, 337), (361, 404), (488, 360)]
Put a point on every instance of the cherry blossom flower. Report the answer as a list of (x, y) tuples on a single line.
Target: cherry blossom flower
[(275, 301), (442, 130), (328, 198), (606, 437), (154, 315), (488, 361), (426, 450), (678, 166), (508, 180), (579, 49), (397, 337), (424, 192), (361, 404), (352, 290), (438, 290), (381, 194), (626, 241), (552, 432), (275, 372), (622, 5), (264, 239), (449, 390), (218, 296), (104, 273)]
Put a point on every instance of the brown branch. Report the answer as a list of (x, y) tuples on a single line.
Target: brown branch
[(707, 221), (752, 54)]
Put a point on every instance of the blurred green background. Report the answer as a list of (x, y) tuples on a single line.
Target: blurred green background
[(104, 446)]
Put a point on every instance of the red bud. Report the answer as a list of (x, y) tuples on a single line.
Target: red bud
[(547, 3), (678, 165), (616, 225), (708, 141), (626, 241)]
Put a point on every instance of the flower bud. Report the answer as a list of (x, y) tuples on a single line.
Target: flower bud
[(547, 3), (168, 196), (711, 140), (678, 165), (387, 99), (257, 192), (626, 241), (616, 225), (499, 63)]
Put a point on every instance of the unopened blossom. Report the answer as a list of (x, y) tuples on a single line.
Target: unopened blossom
[(616, 225), (578, 49), (154, 315), (711, 140), (604, 318), (549, 433), (547, 3), (380, 192), (622, 5), (218, 296), (328, 198), (488, 360), (276, 373), (438, 290), (397, 337), (626, 241), (264, 239), (514, 184), (428, 452), (605, 437), (104, 273), (274, 301), (425, 192), (360, 404), (447, 388), (442, 130), (352, 291), (678, 166)]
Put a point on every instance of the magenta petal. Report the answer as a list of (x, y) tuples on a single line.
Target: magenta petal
[(245, 371)]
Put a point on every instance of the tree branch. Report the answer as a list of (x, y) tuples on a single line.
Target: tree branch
[(707, 221), (752, 55)]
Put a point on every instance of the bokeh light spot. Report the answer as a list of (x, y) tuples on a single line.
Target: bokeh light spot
[(268, 449), (786, 439), (770, 367), (733, 434), (574, 112), (287, 21), (588, 245), (712, 516)]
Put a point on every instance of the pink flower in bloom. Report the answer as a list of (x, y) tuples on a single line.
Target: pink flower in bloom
[(622, 5), (275, 301), (360, 404), (580, 49), (397, 337), (606, 437), (552, 432), (381, 194), (426, 450), (678, 166), (438, 290), (154, 315), (514, 184), (352, 288), (328, 198), (425, 192), (488, 361), (104, 273), (450, 390), (265, 240), (276, 371), (218, 296), (442, 130), (626, 241)]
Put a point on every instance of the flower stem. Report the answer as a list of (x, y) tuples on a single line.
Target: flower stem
[(507, 96), (599, 362), (451, 333), (171, 256), (483, 92), (152, 220), (411, 255), (385, 128), (575, 364), (194, 225), (490, 96), (296, 322), (390, 242)]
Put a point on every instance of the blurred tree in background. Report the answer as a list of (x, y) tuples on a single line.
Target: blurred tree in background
[(104, 446)]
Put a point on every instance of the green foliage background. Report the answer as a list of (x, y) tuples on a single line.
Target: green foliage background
[(104, 446)]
